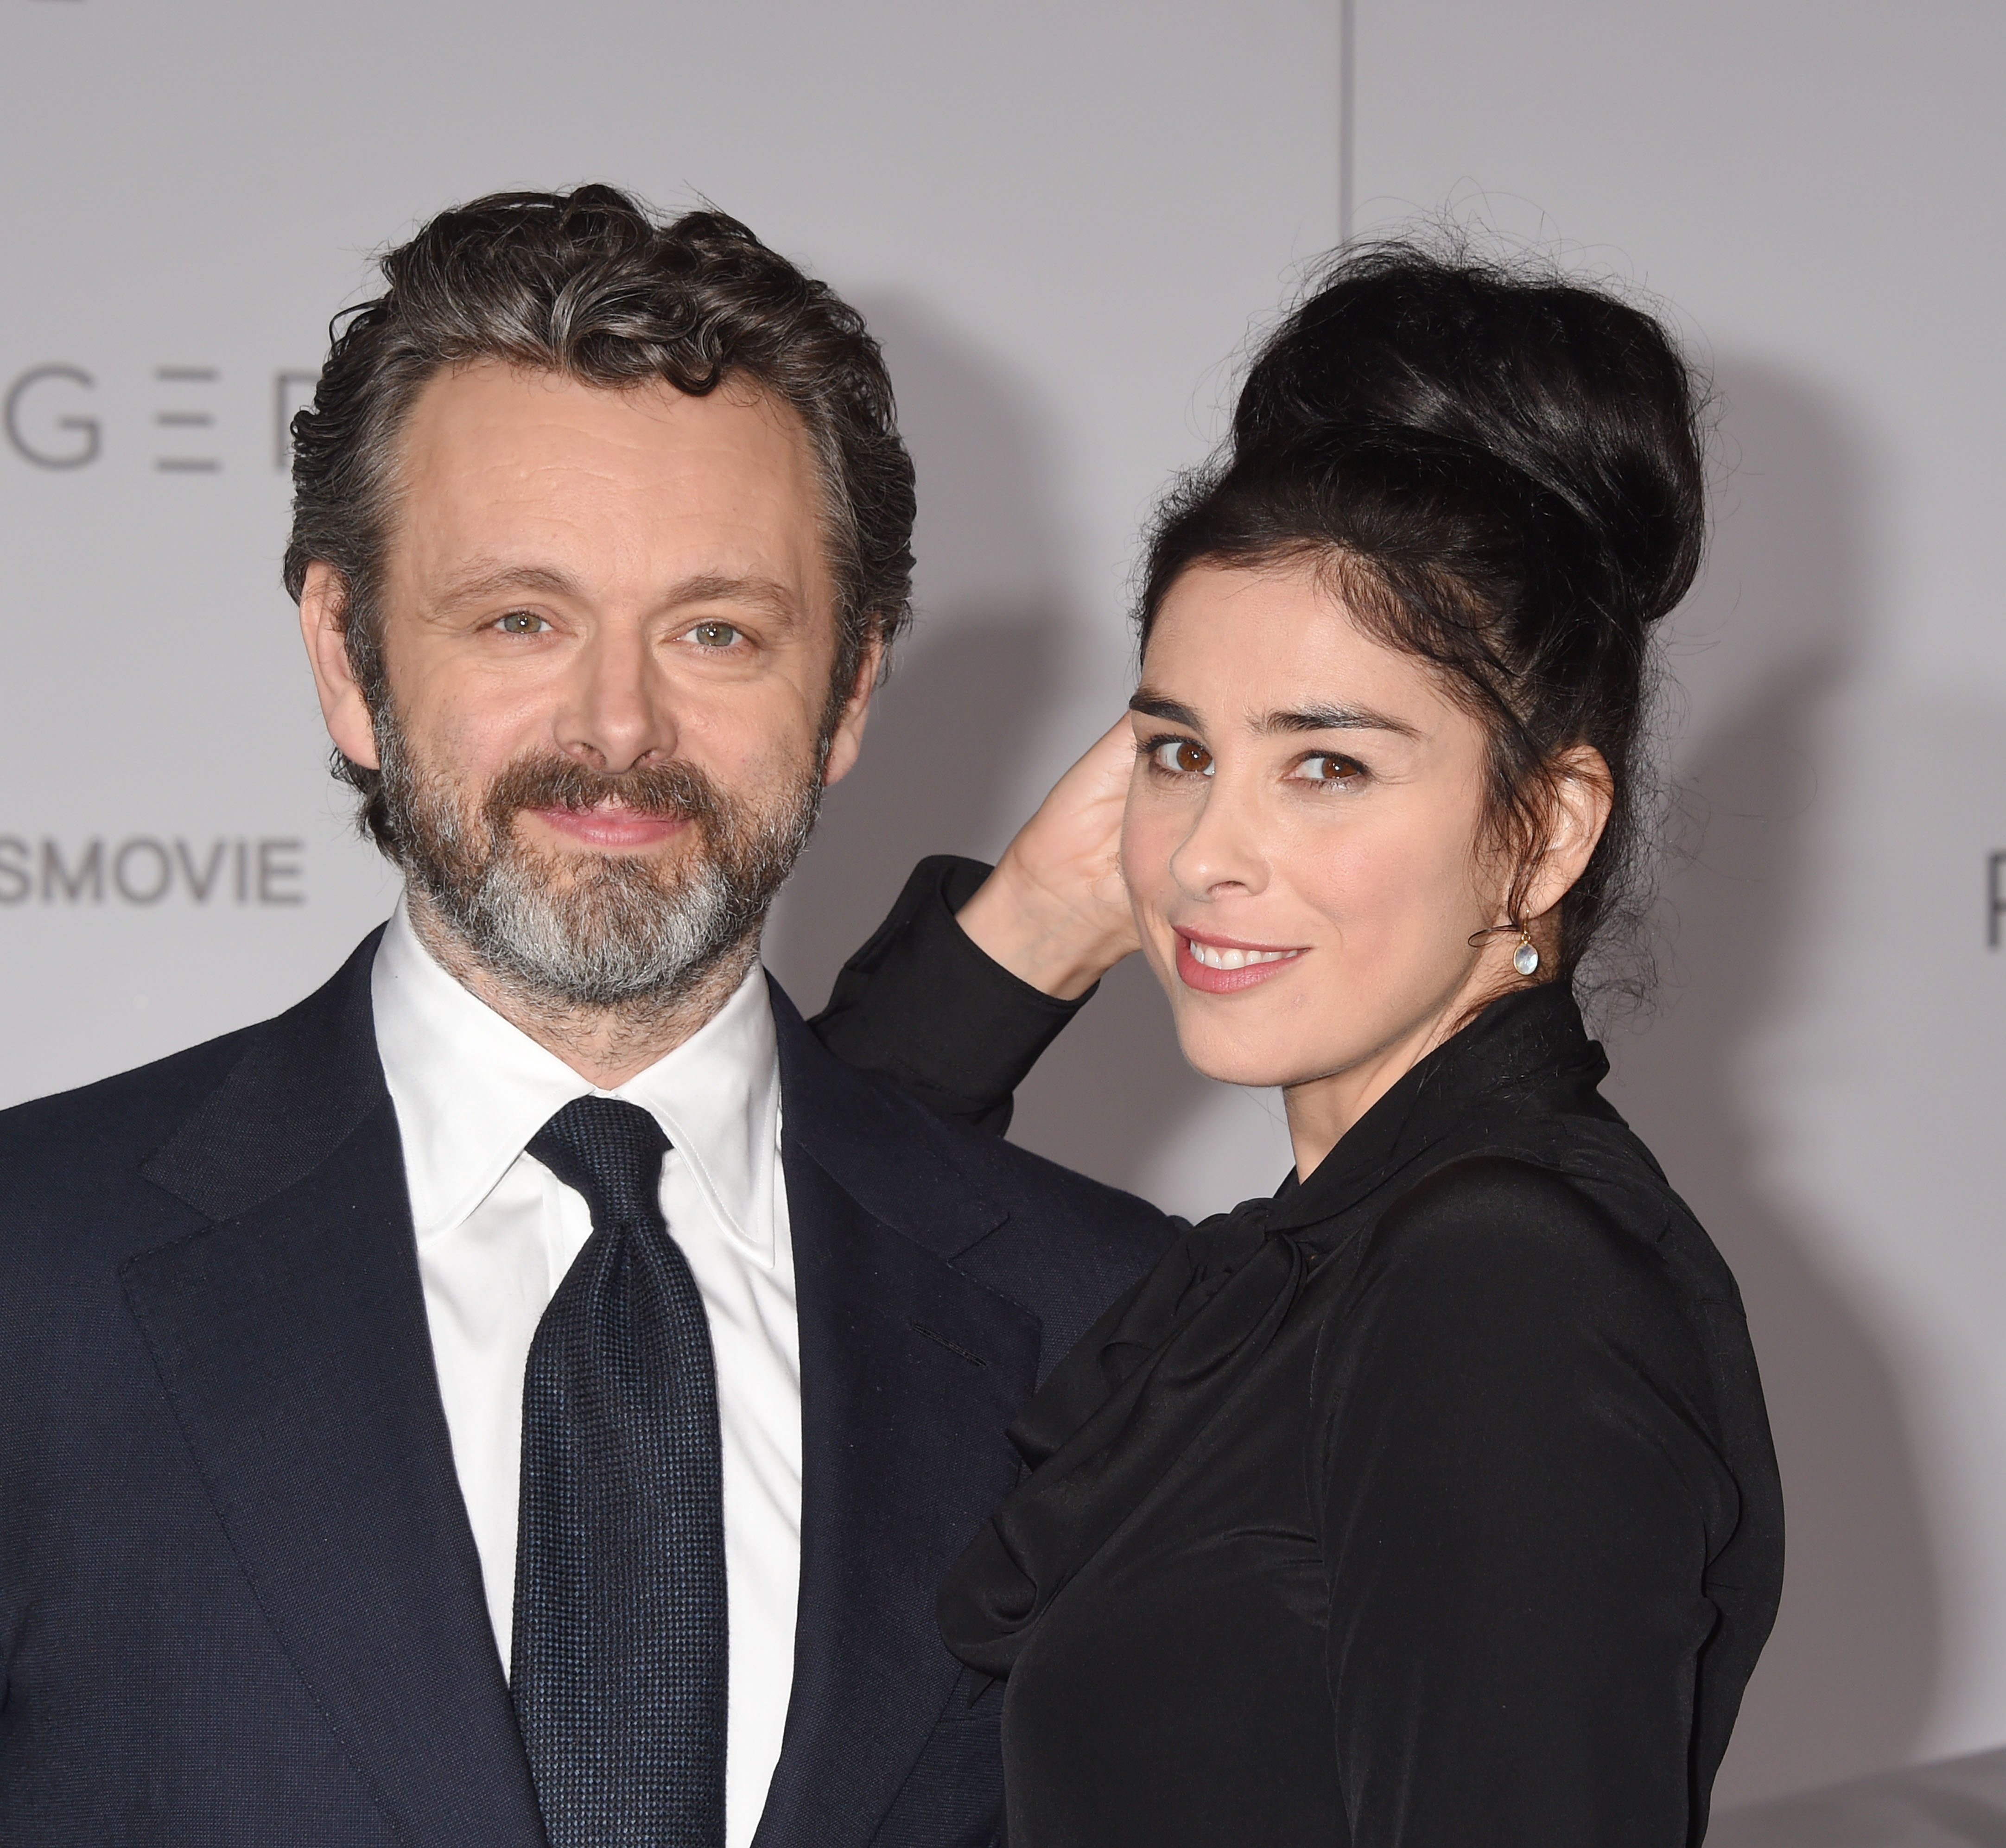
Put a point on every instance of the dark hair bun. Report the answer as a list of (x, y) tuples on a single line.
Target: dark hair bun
[(1516, 463), (1575, 411)]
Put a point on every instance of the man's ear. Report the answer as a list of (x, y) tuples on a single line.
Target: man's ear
[(1579, 801), (848, 738), (323, 624)]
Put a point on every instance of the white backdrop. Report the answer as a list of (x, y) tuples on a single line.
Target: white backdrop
[(1063, 221)]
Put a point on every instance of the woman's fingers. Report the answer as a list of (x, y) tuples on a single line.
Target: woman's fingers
[(1055, 912), (1077, 831)]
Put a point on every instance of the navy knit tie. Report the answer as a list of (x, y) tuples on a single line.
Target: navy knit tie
[(618, 1669)]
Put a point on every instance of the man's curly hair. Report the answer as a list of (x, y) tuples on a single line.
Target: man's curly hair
[(591, 285)]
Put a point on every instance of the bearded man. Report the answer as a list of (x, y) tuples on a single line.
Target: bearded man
[(529, 1392)]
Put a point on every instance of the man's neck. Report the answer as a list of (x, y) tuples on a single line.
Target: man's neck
[(605, 1046)]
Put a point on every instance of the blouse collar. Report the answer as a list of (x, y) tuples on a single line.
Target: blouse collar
[(1528, 1046)]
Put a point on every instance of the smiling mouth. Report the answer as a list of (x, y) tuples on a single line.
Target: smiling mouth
[(609, 826), (1216, 957), (1216, 968)]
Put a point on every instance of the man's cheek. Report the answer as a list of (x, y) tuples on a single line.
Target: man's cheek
[(472, 756), (753, 773)]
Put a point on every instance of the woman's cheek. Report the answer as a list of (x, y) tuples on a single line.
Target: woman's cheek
[(1341, 879), (1149, 839), (1146, 848), (1402, 909)]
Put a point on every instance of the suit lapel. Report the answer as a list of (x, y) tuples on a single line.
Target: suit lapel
[(910, 1373), (290, 1336)]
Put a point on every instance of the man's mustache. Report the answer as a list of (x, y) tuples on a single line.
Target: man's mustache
[(676, 789)]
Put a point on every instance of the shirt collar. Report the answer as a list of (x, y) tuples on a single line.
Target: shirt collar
[(470, 1090), (1526, 1052)]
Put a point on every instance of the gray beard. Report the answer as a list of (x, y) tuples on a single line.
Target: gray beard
[(607, 930)]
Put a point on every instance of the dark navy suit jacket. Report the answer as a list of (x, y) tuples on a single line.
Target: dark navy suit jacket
[(239, 1598)]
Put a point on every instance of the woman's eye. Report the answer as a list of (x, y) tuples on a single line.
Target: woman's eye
[(1330, 770), (521, 622), (714, 634), (1182, 757)]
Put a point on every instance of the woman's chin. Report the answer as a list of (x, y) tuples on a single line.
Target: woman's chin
[(1240, 1058), (1238, 1038)]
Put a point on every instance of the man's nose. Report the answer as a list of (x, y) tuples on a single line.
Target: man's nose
[(613, 717)]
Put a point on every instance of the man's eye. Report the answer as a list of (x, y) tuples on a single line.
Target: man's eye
[(714, 634), (1182, 757), (1330, 769), (522, 622)]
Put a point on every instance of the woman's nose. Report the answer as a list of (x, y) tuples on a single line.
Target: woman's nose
[(1221, 853)]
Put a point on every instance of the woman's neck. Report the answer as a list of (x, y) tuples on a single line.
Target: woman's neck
[(1322, 1110)]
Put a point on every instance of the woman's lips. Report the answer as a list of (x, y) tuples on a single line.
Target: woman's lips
[(609, 827), (1214, 966)]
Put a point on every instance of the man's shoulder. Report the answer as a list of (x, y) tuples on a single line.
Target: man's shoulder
[(1034, 1183), (70, 1163), (870, 1117), (1059, 1243), (74, 1203), (129, 1114), (1068, 1244)]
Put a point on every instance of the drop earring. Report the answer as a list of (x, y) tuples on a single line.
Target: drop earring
[(1525, 958)]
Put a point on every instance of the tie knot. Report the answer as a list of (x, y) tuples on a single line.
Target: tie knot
[(611, 1152)]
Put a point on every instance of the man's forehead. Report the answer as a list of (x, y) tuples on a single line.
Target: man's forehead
[(523, 480), (487, 398)]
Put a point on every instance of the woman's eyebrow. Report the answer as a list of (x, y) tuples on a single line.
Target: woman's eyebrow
[(1308, 718), (1336, 718), (1152, 705)]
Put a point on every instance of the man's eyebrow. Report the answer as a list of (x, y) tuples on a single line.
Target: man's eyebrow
[(722, 587), (486, 580), (706, 587), (1336, 718), (1152, 705)]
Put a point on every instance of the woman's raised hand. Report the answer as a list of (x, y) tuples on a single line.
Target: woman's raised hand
[(1055, 913)]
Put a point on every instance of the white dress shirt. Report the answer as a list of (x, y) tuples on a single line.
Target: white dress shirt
[(497, 1231)]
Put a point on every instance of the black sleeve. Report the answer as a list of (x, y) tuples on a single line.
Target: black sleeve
[(1520, 1493), (921, 1005)]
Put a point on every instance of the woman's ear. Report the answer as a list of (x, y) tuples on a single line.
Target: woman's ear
[(1578, 802)]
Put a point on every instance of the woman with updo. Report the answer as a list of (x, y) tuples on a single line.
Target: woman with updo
[(1429, 1503)]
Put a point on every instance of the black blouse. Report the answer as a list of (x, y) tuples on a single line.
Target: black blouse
[(1430, 1504)]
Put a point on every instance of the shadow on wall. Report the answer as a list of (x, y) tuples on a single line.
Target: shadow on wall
[(1849, 1676), (981, 689), (1960, 1803)]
